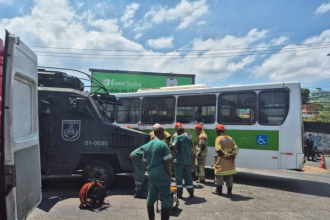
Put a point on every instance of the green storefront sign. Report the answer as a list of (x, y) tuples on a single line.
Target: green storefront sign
[(126, 81)]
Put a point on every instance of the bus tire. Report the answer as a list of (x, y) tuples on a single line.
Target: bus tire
[(99, 170)]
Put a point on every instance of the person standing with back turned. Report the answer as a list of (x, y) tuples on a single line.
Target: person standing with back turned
[(201, 152), (224, 163), (136, 158), (193, 148), (182, 162), (157, 160)]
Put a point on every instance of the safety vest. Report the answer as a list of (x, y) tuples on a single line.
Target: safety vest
[(223, 165), (202, 139)]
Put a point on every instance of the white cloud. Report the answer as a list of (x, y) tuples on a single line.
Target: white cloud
[(186, 12), (280, 40), (57, 24), (137, 36), (200, 23), (162, 42), (100, 8), (6, 2), (128, 15), (324, 7), (300, 65), (79, 5)]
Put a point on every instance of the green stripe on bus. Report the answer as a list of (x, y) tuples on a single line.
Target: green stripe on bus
[(245, 139)]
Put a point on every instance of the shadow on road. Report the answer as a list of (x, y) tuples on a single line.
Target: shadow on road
[(307, 187), (193, 201), (239, 198), (176, 212), (56, 189)]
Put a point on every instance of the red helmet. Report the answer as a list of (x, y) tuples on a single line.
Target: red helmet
[(198, 126), (128, 126), (220, 127), (178, 125)]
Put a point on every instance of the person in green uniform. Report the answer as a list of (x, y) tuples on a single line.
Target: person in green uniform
[(182, 162), (136, 158), (157, 161)]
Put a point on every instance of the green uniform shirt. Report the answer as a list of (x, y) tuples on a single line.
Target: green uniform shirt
[(183, 145), (138, 151), (155, 154)]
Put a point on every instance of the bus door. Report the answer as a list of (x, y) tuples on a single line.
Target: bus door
[(20, 188)]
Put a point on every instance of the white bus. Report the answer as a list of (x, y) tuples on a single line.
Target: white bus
[(265, 120)]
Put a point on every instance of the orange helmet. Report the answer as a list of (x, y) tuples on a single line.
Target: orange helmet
[(198, 126), (178, 125), (128, 126), (220, 127)]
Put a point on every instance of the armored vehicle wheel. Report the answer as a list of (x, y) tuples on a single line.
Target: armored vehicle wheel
[(99, 170)]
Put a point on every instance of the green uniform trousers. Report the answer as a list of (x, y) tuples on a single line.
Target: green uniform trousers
[(159, 188), (183, 172), (138, 172)]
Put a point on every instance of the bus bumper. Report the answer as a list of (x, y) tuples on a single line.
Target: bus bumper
[(300, 161)]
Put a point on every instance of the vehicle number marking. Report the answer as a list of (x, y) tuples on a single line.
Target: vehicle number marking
[(96, 143)]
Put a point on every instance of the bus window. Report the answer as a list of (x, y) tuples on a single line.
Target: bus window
[(197, 108), (237, 108), (158, 110), (129, 112), (273, 107)]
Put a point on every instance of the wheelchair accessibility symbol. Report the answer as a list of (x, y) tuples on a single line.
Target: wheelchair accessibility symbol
[(261, 139)]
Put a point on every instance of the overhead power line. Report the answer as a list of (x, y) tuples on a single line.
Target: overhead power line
[(103, 56), (126, 50)]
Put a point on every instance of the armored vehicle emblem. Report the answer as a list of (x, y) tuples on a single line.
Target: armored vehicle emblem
[(70, 130)]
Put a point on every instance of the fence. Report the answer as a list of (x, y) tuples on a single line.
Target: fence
[(320, 134)]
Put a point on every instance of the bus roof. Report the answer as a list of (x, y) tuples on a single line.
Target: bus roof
[(202, 88)]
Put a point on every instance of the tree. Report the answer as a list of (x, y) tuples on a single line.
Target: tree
[(323, 116), (304, 95), (320, 108)]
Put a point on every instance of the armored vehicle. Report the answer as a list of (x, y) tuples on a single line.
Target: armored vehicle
[(76, 133)]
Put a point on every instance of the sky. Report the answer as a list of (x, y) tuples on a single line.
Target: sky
[(222, 42)]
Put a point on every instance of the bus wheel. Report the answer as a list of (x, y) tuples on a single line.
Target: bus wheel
[(99, 170)]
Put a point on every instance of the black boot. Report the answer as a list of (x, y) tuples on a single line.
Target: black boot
[(165, 214), (193, 175), (218, 190), (139, 194), (151, 212), (230, 191)]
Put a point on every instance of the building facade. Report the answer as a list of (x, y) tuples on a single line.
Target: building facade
[(309, 109), (320, 97)]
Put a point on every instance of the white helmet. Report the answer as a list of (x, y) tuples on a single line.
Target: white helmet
[(156, 126)]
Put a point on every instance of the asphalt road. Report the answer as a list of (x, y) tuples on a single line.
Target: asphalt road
[(258, 194), (317, 163)]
